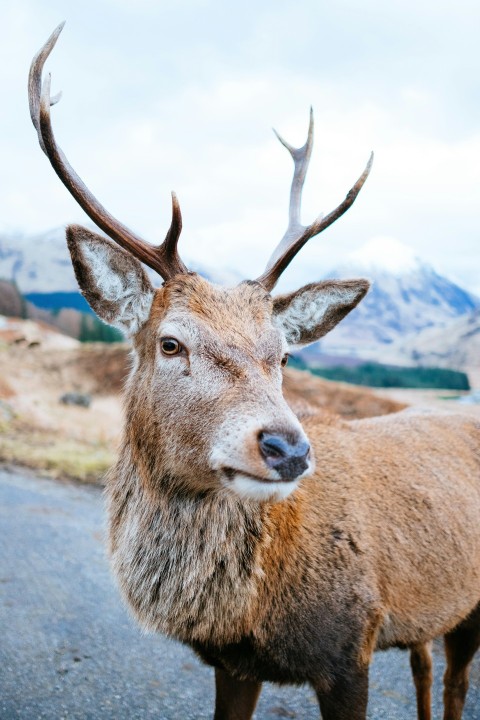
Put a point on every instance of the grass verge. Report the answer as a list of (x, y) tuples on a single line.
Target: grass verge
[(55, 456)]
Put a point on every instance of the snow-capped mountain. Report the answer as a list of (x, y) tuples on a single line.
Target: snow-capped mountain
[(456, 345), (407, 296), (41, 264), (37, 263)]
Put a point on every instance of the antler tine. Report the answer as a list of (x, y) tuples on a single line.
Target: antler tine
[(35, 81), (171, 239), (301, 159), (164, 259), (297, 234)]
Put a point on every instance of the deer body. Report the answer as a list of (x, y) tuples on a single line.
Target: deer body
[(277, 551), (302, 590), (357, 558)]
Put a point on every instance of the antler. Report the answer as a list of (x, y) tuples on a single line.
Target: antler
[(297, 234), (164, 259)]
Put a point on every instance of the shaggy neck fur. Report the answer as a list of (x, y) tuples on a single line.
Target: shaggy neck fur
[(181, 559)]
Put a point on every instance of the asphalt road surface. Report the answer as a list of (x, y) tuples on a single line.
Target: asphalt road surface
[(68, 648)]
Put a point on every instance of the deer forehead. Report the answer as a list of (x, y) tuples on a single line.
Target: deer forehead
[(229, 318)]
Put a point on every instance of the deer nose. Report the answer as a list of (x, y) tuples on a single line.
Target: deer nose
[(286, 454)]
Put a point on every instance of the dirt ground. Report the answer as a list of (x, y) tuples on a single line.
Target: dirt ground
[(38, 430)]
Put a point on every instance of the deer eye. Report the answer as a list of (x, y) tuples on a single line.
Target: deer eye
[(284, 360), (170, 346)]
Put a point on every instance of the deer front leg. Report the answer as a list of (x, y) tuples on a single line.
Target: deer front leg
[(347, 698), (235, 699)]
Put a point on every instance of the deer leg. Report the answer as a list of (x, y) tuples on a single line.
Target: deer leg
[(347, 699), (234, 699), (460, 646), (421, 664)]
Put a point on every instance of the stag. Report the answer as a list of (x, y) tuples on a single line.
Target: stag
[(278, 551)]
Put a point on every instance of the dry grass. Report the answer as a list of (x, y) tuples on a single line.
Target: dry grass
[(307, 394), (38, 431), (56, 457)]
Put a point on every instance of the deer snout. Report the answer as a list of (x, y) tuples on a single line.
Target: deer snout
[(286, 453)]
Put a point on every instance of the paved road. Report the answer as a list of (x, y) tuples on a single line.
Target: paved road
[(69, 650)]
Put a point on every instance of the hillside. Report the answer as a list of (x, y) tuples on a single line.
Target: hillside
[(407, 296), (77, 324), (30, 334), (457, 345)]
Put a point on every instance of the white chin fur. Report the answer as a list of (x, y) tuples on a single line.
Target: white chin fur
[(251, 489)]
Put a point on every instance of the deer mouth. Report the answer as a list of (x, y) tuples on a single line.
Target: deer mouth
[(259, 489), (232, 473)]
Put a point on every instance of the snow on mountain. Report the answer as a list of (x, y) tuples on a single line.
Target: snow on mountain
[(407, 296), (41, 264), (37, 263)]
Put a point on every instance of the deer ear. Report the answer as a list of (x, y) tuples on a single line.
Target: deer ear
[(309, 313), (112, 281)]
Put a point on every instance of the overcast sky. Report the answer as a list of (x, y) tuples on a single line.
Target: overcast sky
[(182, 95)]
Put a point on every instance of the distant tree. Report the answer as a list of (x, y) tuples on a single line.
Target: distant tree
[(94, 330), (12, 302), (377, 375), (295, 361)]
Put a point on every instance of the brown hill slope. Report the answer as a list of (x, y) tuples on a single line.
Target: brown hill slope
[(307, 394)]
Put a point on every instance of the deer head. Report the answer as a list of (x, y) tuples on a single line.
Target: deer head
[(204, 400)]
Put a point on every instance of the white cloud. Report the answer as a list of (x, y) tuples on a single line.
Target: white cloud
[(182, 96)]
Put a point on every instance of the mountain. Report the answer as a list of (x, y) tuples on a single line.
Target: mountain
[(456, 345), (65, 318), (40, 265), (37, 263), (37, 282), (407, 296)]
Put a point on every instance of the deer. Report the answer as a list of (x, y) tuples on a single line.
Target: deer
[(281, 548)]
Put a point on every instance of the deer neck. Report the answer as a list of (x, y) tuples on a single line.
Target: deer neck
[(180, 558)]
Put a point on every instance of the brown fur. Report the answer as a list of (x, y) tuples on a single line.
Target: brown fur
[(380, 547)]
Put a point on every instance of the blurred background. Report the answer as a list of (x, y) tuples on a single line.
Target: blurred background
[(160, 96)]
